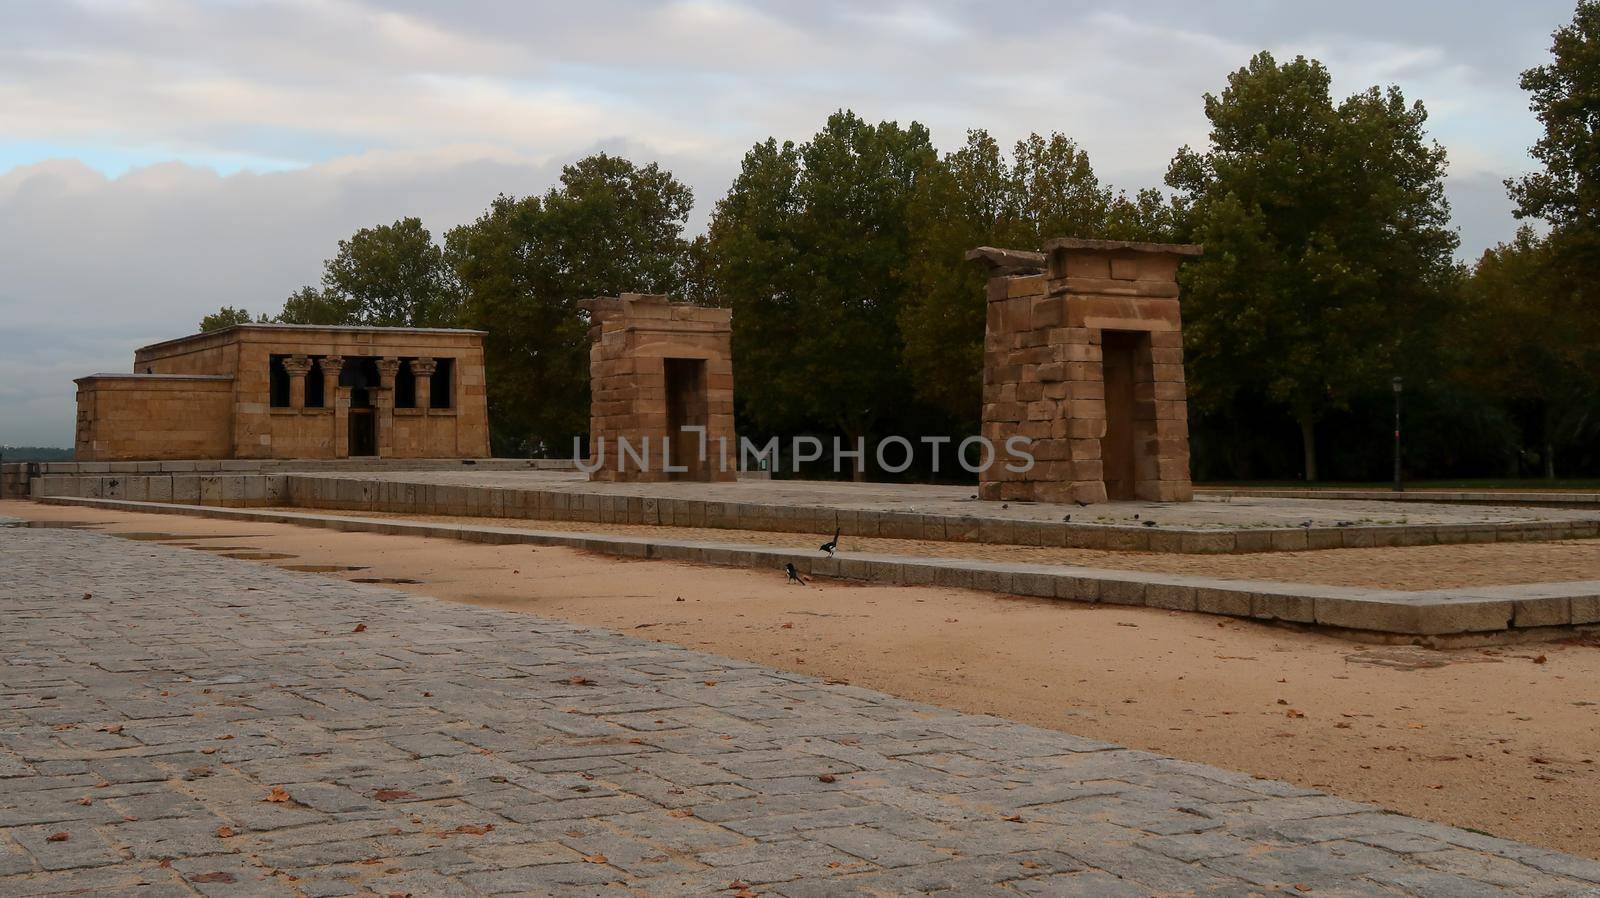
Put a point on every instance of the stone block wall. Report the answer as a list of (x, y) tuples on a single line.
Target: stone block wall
[(153, 416), (654, 368), (1083, 355)]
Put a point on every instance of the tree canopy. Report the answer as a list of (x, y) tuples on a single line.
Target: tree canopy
[(386, 276), (610, 227), (1328, 246)]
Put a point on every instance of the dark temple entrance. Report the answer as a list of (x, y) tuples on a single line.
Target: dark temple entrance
[(687, 406), (1121, 353), (362, 377)]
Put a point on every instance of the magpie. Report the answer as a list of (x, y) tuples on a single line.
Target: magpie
[(831, 545), (794, 575)]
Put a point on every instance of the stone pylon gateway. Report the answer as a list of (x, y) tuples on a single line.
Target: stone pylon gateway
[(661, 376), (1083, 354)]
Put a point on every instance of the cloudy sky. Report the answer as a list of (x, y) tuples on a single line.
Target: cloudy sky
[(160, 158)]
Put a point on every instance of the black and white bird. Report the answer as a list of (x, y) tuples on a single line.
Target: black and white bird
[(1149, 523), (794, 575), (831, 545)]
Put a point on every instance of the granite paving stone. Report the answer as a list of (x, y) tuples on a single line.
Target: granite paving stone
[(199, 725)]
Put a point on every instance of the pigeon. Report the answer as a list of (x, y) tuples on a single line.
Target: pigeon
[(794, 575), (1066, 517), (1344, 523), (1306, 524), (831, 545), (1136, 517), (1082, 504), (1149, 523), (1004, 505)]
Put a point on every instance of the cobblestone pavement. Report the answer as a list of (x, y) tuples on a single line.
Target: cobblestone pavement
[(173, 723)]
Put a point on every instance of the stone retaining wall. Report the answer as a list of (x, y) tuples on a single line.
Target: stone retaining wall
[(1443, 612), (562, 505)]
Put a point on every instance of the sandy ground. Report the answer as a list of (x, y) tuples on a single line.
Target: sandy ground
[(1503, 741), (1412, 567)]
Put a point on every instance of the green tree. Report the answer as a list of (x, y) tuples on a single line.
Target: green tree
[(975, 197), (807, 248), (386, 276), (1566, 98), (227, 316), (610, 227), (1328, 246), (319, 305), (1533, 340)]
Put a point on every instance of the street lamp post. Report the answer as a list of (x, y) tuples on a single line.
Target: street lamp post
[(1398, 386)]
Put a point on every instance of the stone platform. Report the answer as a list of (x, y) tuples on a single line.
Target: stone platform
[(1487, 613), (175, 723), (551, 490), (921, 511)]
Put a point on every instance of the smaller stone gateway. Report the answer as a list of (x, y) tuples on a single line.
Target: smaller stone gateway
[(661, 379), (1083, 354)]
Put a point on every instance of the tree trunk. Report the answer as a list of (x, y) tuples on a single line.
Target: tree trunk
[(1308, 439), (1549, 444)]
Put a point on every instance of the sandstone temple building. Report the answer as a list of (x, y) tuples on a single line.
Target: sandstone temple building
[(1083, 353), (257, 391)]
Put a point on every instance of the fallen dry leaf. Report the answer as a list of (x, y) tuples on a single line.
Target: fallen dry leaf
[(1012, 818), (681, 812), (360, 628), (219, 876), (594, 859), (1031, 865), (828, 778), (113, 728), (1294, 712), (277, 795), (711, 682), (57, 837), (576, 680), (225, 832), (1540, 659), (391, 794), (788, 626), (470, 829)]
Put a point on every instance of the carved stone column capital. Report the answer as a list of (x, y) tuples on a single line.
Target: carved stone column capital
[(297, 365), (387, 369), (424, 367)]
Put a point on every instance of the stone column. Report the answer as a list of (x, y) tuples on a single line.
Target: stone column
[(298, 366), (383, 405), (334, 398), (423, 370)]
